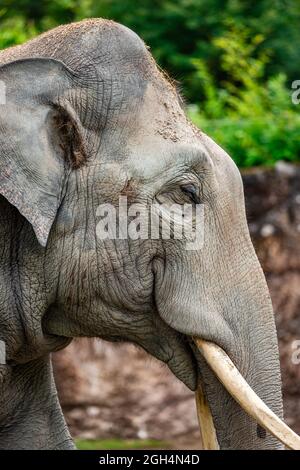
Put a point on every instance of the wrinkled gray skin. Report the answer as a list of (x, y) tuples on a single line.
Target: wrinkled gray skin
[(89, 117)]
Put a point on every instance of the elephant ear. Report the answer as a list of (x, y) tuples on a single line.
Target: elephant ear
[(40, 138)]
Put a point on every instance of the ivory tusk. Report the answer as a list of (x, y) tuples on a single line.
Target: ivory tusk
[(239, 389), (206, 424)]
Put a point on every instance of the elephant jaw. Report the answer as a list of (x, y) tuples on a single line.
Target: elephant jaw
[(239, 389)]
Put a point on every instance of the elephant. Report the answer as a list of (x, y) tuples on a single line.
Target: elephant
[(88, 117)]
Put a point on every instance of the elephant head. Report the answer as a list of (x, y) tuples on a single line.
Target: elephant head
[(88, 119)]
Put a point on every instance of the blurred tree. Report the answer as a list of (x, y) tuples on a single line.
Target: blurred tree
[(253, 118)]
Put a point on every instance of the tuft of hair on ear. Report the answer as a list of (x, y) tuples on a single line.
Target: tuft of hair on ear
[(71, 138)]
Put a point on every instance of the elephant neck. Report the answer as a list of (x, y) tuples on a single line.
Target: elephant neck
[(24, 296)]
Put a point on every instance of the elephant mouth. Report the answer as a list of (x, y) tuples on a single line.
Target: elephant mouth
[(240, 390), (183, 362)]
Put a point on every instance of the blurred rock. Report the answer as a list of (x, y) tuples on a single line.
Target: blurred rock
[(120, 392), (109, 390), (273, 211)]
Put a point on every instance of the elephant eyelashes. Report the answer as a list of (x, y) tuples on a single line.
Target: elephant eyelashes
[(192, 192)]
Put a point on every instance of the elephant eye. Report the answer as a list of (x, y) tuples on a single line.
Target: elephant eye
[(191, 191)]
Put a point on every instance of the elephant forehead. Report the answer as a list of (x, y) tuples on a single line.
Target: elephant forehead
[(159, 118), (162, 159), (162, 141)]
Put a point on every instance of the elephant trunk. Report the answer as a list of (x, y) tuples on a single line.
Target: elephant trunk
[(236, 316)]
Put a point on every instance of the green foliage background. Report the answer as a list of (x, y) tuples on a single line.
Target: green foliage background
[(235, 61)]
